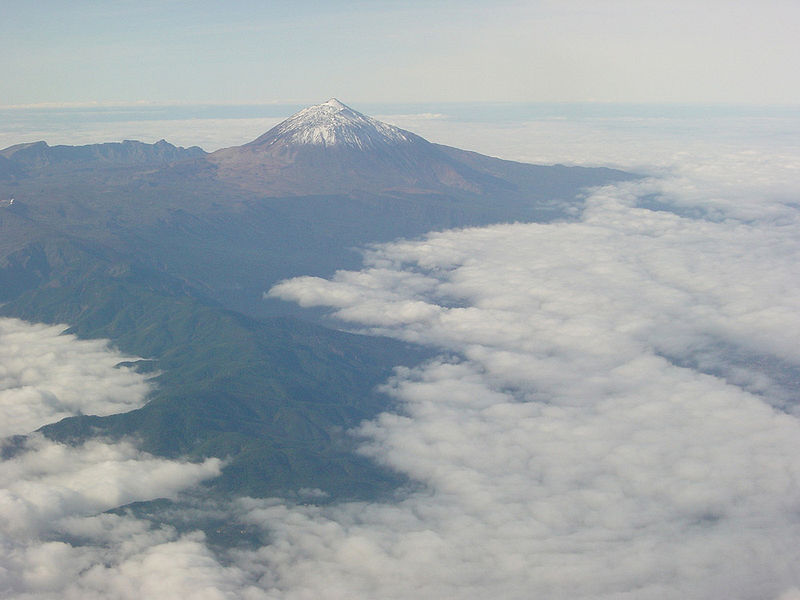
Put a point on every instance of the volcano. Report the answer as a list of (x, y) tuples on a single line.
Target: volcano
[(331, 148), (168, 251)]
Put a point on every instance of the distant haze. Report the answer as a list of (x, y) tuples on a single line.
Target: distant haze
[(581, 133)]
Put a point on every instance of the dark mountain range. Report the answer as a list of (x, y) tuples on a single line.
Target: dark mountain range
[(39, 155), (167, 251)]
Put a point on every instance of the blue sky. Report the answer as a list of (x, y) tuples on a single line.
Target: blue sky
[(741, 51)]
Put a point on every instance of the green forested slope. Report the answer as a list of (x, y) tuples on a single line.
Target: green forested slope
[(275, 397)]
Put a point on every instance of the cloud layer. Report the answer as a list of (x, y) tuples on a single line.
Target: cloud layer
[(46, 376), (54, 540), (605, 425)]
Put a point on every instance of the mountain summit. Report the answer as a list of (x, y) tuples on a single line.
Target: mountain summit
[(331, 148), (333, 123)]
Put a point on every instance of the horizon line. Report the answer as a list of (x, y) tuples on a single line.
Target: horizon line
[(89, 104)]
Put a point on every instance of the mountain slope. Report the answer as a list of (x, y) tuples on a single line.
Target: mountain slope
[(331, 148), (297, 200), (273, 397), (168, 252)]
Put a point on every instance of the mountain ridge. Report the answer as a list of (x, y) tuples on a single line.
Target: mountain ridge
[(169, 259), (330, 147), (39, 155)]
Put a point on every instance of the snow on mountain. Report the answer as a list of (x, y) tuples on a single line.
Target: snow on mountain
[(331, 149), (333, 123)]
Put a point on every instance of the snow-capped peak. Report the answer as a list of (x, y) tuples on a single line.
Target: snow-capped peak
[(333, 123), (334, 103)]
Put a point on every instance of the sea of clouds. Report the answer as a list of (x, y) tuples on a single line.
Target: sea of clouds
[(613, 413), (55, 540)]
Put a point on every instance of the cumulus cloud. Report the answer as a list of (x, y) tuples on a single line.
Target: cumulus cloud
[(46, 375), (56, 542), (605, 423), (47, 481), (125, 558)]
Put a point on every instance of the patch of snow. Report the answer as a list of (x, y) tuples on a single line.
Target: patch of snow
[(333, 123)]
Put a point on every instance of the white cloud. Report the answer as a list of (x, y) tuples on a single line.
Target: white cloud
[(51, 492), (578, 448), (48, 481), (46, 376), (179, 568), (129, 559)]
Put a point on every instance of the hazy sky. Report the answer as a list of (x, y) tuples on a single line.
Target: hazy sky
[(438, 50)]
